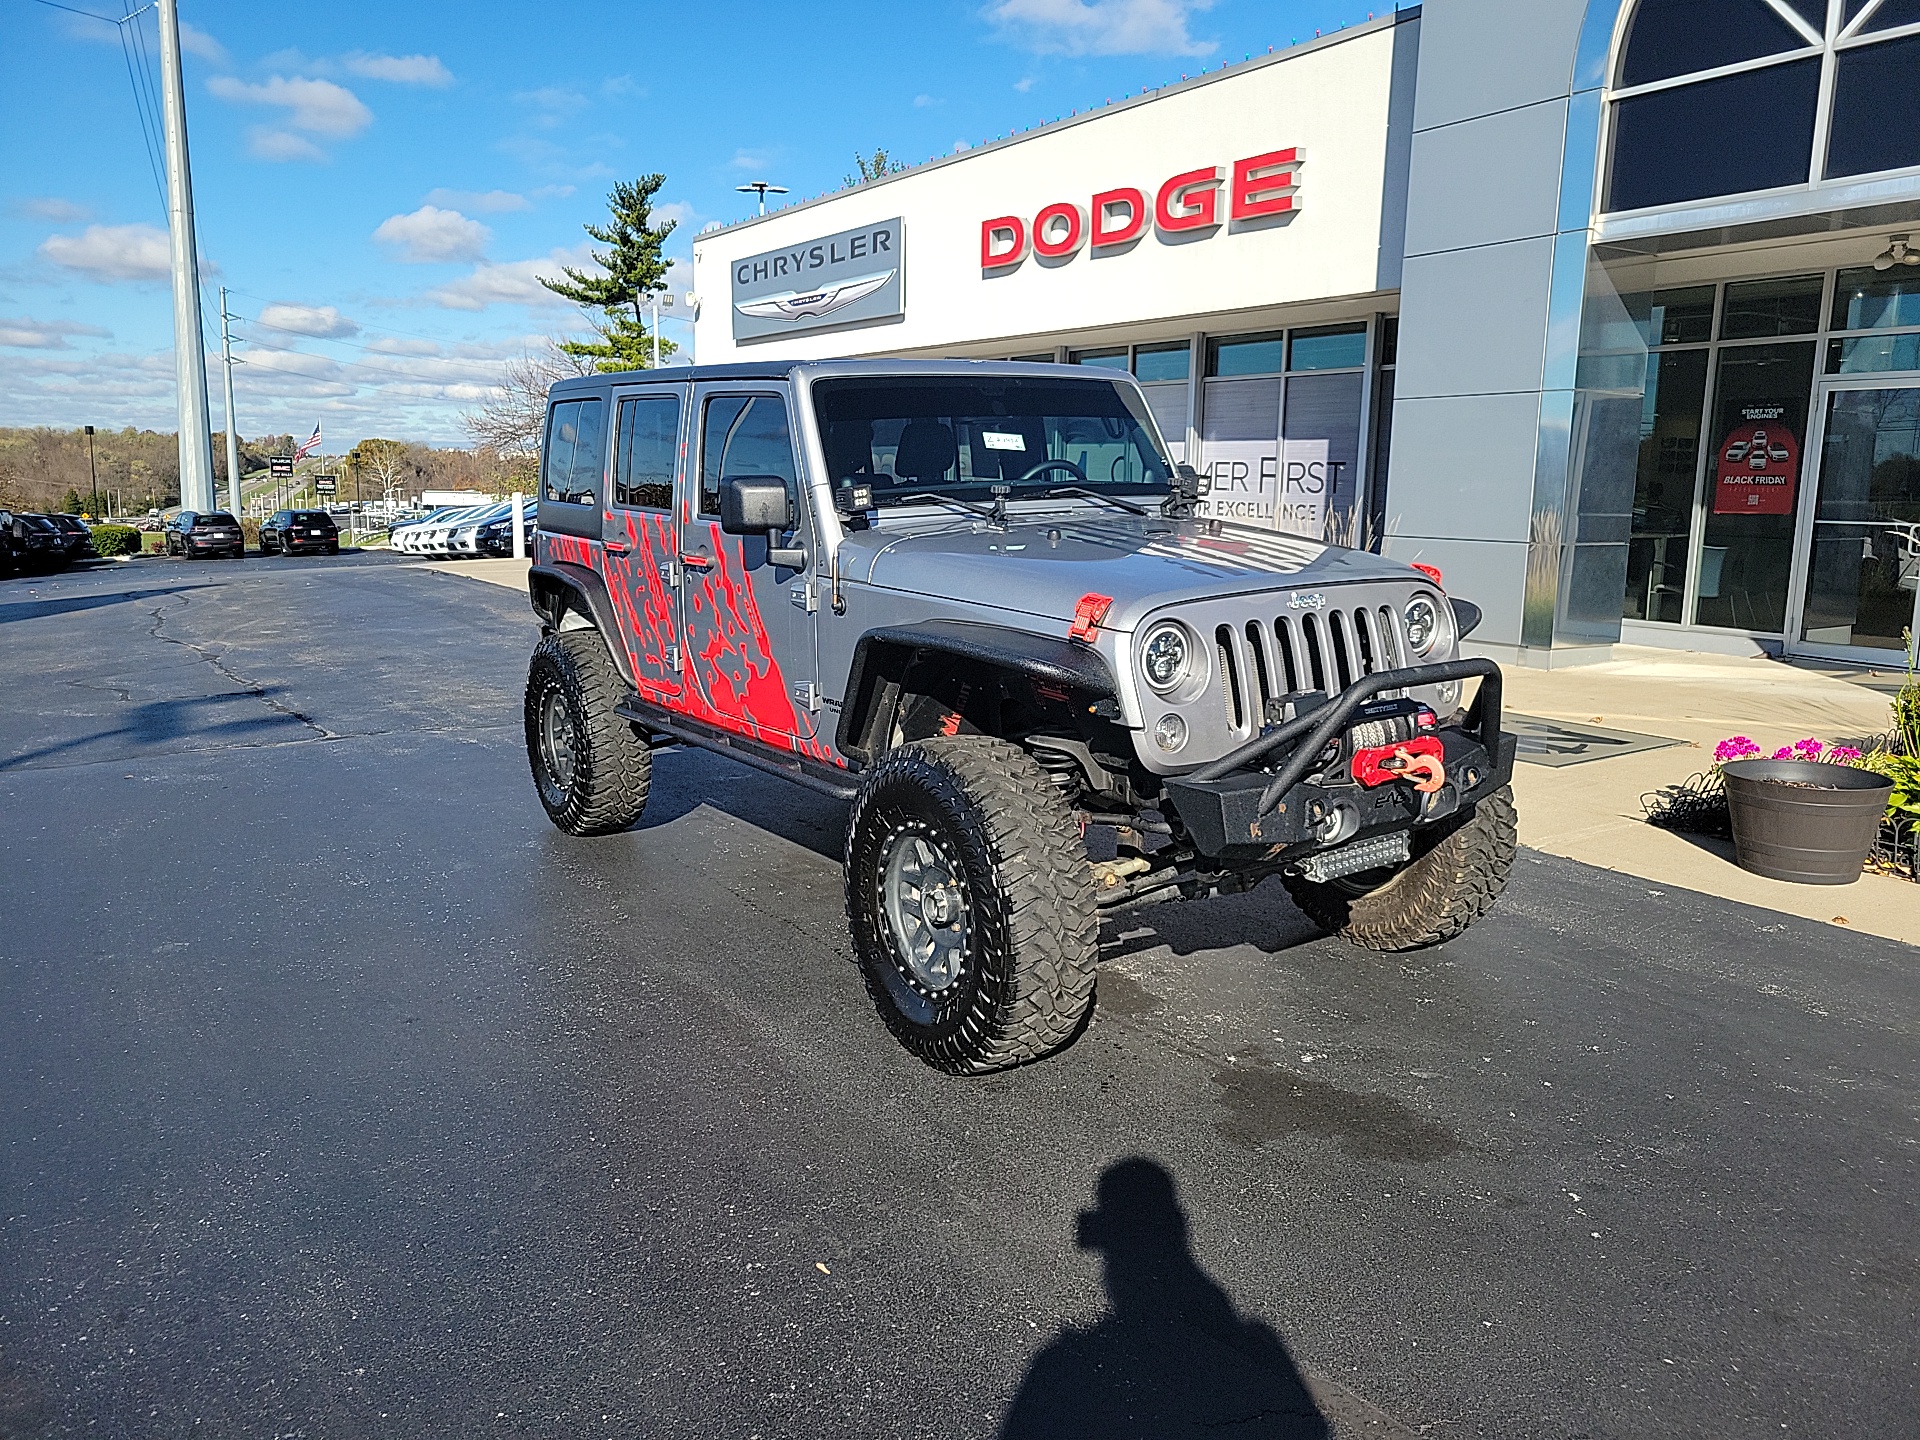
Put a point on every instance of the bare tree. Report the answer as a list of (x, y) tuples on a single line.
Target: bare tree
[(510, 419)]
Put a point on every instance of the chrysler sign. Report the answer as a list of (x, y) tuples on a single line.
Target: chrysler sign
[(1188, 205), (850, 278)]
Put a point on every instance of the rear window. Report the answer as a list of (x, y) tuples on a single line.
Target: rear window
[(216, 519), (312, 517)]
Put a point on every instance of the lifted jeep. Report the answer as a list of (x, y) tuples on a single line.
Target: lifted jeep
[(974, 600)]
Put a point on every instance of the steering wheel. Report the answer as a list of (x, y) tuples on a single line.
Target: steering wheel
[(1045, 465)]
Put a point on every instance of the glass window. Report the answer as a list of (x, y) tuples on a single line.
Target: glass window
[(1753, 476), (966, 435), (1864, 565), (1876, 108), (1669, 457), (1673, 317), (1327, 407), (1045, 357), (1869, 299), (1870, 353), (1240, 450), (1162, 362), (1750, 131), (1330, 347), (1112, 359), (1247, 355), (1893, 14), (645, 451), (1667, 38), (745, 435), (1390, 340), (572, 465), (1762, 309)]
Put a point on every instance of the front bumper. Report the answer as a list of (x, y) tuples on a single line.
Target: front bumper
[(1261, 802)]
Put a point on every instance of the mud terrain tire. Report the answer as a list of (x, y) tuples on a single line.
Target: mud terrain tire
[(1447, 886), (1004, 851), (591, 768)]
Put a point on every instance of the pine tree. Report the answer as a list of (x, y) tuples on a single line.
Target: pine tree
[(634, 270)]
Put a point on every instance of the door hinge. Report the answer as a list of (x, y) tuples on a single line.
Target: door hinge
[(804, 597), (808, 694), (673, 658)]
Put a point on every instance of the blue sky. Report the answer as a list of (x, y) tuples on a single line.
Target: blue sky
[(380, 184)]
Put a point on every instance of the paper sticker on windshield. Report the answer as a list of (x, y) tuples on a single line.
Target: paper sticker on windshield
[(1002, 440)]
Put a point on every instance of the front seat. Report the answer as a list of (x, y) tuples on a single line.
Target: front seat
[(926, 452)]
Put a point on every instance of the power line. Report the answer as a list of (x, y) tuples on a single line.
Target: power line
[(103, 19)]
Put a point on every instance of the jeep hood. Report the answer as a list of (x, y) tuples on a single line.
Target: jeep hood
[(1044, 568)]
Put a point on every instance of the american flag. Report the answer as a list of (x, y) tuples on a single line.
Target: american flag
[(312, 444)]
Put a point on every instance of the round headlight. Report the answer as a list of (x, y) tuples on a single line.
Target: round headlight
[(1171, 733), (1423, 624), (1166, 655)]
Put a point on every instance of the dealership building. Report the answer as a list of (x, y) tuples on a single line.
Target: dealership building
[(1607, 308)]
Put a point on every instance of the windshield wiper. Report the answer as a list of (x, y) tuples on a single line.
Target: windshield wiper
[(1085, 493), (974, 510)]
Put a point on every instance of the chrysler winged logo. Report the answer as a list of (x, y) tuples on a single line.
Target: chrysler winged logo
[(812, 304), (1312, 600)]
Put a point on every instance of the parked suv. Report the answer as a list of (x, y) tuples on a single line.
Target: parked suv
[(33, 541), (288, 532), (975, 601), (211, 532), (76, 537)]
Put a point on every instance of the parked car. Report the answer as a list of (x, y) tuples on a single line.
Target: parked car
[(289, 532), (496, 535), (76, 535), (34, 542), (410, 537), (211, 533)]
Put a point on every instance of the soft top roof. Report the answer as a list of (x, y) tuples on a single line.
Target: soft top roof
[(582, 385)]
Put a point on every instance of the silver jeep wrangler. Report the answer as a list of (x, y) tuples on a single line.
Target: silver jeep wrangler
[(974, 600)]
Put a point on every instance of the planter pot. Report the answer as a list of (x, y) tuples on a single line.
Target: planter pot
[(1804, 820)]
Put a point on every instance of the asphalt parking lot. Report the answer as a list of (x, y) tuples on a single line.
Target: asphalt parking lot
[(343, 1096)]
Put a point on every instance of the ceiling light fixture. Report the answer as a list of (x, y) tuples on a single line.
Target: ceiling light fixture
[(1898, 252)]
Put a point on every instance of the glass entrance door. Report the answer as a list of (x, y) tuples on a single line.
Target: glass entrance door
[(1863, 556)]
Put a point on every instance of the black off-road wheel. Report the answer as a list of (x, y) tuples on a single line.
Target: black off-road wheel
[(1451, 882), (590, 767), (971, 904)]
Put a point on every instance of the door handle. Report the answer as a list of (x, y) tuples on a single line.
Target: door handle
[(613, 549), (697, 562)]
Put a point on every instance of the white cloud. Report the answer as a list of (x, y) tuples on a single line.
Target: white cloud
[(266, 143), (513, 282), (196, 41), (554, 102), (50, 207), (1026, 83), (27, 334), (924, 102), (750, 160), (400, 69), (487, 202), (678, 211), (1102, 27), (401, 345), (552, 192), (317, 106), (430, 236), (324, 322), (112, 252)]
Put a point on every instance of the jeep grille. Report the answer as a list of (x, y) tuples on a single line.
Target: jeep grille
[(1261, 662)]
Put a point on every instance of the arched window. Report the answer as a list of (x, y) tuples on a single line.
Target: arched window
[(1723, 97)]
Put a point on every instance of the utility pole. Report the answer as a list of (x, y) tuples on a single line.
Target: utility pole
[(189, 356), (233, 441)]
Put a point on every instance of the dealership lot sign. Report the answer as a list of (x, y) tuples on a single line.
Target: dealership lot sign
[(1187, 205), (848, 278)]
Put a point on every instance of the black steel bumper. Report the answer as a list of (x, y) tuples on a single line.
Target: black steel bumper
[(1244, 807)]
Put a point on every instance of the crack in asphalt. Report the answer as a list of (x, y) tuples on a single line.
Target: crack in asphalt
[(220, 667)]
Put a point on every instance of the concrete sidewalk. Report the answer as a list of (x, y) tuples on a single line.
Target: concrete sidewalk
[(1591, 812)]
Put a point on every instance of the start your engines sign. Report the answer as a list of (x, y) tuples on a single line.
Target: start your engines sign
[(1758, 464)]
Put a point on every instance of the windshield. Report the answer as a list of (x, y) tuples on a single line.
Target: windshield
[(962, 435), (216, 519)]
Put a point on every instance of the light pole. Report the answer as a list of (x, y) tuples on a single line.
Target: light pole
[(762, 189), (189, 355), (658, 298), (233, 440), (93, 475)]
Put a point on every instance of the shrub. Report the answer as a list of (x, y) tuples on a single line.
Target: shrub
[(116, 540)]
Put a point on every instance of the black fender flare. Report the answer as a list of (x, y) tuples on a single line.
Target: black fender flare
[(881, 658), (560, 586)]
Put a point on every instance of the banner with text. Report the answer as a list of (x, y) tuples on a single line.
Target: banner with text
[(1273, 484)]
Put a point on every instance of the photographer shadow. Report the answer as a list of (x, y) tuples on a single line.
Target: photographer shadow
[(1172, 1356)]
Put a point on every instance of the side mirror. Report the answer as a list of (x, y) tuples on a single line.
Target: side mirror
[(754, 505)]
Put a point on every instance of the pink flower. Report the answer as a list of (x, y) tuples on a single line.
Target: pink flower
[(1842, 755), (1807, 749), (1737, 747)]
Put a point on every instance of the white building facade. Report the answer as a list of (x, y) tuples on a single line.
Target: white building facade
[(1597, 305)]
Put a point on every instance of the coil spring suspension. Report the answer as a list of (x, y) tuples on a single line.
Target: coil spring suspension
[(1063, 770)]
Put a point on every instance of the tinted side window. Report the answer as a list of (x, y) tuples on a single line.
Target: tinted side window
[(645, 451), (746, 435), (571, 468)]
